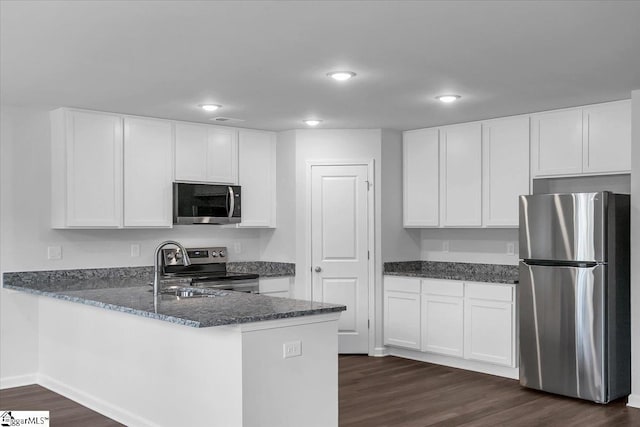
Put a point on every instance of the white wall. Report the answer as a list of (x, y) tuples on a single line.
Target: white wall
[(279, 244), (476, 245), (635, 250), (398, 243)]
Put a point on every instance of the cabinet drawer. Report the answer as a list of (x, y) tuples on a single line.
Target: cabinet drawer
[(490, 292), (402, 284), (276, 284), (450, 288)]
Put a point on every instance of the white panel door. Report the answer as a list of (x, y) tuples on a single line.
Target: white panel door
[(191, 152), (607, 137), (505, 171), (257, 177), (339, 248), (489, 331), (148, 172), (402, 319), (461, 175), (94, 169), (421, 178), (556, 143), (443, 324)]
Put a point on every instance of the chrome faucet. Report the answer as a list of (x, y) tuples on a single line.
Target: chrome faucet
[(157, 261)]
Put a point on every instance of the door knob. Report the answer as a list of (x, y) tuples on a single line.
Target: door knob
[(318, 269)]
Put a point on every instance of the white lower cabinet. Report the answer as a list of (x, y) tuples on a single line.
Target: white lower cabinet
[(442, 317), (463, 320), (489, 324), (402, 312), (275, 286)]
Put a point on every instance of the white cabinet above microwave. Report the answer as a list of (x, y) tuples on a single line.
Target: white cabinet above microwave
[(206, 153)]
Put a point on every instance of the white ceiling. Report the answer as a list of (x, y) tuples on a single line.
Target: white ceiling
[(266, 62)]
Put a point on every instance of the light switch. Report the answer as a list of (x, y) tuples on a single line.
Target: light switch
[(291, 349), (511, 248), (445, 246)]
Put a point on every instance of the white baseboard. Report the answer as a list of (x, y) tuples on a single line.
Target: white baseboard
[(379, 352), (94, 403), (18, 381), (634, 400), (456, 362)]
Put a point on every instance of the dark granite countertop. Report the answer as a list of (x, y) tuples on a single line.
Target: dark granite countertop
[(127, 291), (263, 268), (470, 272)]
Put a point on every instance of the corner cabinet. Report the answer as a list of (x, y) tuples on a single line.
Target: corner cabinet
[(594, 139), (86, 169), (206, 153), (257, 177)]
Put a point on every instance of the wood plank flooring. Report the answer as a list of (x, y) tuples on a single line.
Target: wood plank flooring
[(397, 392), (63, 412), (390, 391)]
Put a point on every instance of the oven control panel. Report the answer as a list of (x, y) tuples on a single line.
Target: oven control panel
[(173, 256)]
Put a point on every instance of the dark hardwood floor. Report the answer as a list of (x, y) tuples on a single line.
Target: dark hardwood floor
[(390, 391), (397, 392), (63, 412)]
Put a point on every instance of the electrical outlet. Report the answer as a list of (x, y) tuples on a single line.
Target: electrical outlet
[(291, 349), (135, 250), (237, 247), (511, 248), (445, 246), (54, 252)]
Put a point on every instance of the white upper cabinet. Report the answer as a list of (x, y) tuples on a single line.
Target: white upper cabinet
[(148, 172), (505, 171), (257, 177), (206, 153), (461, 175), (556, 142), (607, 137), (421, 185), (86, 169), (594, 139)]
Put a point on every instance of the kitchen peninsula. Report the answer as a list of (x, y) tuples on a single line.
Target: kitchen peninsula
[(215, 358)]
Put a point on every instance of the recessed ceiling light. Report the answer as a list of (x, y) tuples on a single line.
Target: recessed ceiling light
[(210, 107), (341, 75), (448, 98), (312, 122)]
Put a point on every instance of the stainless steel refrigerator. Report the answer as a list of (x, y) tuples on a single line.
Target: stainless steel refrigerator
[(573, 295)]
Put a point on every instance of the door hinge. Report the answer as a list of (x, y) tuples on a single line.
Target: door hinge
[(368, 324), (368, 255)]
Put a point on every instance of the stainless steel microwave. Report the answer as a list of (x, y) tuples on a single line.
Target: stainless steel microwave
[(206, 203)]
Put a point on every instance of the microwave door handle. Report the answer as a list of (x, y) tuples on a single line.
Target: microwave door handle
[(231, 196)]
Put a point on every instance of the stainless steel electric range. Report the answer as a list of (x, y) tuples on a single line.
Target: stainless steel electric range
[(208, 269)]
